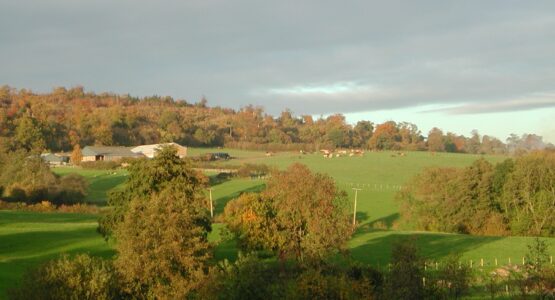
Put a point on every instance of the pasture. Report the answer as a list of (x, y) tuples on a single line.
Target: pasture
[(29, 238)]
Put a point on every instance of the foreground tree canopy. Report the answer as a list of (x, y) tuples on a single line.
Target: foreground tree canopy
[(150, 177), (514, 197), (300, 214)]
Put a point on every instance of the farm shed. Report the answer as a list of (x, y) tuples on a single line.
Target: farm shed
[(151, 150), (98, 153)]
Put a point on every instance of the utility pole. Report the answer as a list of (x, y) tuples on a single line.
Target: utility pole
[(211, 206), (355, 208)]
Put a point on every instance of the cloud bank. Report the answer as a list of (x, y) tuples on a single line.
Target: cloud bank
[(313, 57)]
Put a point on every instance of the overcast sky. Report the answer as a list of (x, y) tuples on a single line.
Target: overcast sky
[(458, 65)]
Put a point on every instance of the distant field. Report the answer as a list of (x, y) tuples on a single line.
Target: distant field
[(28, 238)]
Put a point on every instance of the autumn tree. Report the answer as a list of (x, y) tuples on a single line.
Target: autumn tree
[(149, 177), (29, 135), (514, 196), (362, 132), (76, 155), (385, 137), (162, 245), (301, 214), (435, 140), (529, 194)]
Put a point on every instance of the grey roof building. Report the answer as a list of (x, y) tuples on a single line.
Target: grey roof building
[(53, 159), (107, 153)]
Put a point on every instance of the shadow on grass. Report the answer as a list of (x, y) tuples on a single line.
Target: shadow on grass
[(379, 224), (13, 217), (362, 216), (40, 243), (376, 248), (99, 187), (226, 250), (222, 201)]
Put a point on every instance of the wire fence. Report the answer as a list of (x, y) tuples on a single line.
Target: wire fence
[(372, 186), (481, 263)]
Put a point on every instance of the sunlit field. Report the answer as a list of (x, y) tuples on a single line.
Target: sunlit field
[(29, 238)]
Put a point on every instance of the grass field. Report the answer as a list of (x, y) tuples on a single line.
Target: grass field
[(28, 238), (378, 175), (100, 181)]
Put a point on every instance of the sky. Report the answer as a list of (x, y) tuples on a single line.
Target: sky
[(456, 65)]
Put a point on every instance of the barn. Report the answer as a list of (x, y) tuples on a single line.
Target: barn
[(108, 153), (55, 159)]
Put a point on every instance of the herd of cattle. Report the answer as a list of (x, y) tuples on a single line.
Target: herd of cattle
[(338, 153)]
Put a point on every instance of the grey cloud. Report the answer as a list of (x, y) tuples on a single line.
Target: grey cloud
[(398, 53), (528, 103)]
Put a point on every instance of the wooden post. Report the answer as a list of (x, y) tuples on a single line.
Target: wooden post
[(509, 261), (481, 262), (437, 265), (471, 263), (496, 261), (211, 206), (551, 259), (523, 260), (355, 207)]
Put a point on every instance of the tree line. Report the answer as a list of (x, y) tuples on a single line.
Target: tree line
[(65, 118), (514, 197)]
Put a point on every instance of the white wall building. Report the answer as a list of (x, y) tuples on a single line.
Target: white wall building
[(151, 150)]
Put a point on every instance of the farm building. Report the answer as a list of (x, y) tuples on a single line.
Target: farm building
[(54, 159), (150, 150), (97, 153)]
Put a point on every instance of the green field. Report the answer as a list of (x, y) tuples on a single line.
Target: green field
[(100, 181), (28, 238), (379, 174)]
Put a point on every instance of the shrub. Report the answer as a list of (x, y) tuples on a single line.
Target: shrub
[(82, 277), (404, 281), (250, 170), (100, 165), (453, 279), (72, 189)]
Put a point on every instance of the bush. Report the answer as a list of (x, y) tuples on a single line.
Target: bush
[(82, 277), (26, 178), (453, 279), (250, 170), (100, 165), (73, 189), (404, 281)]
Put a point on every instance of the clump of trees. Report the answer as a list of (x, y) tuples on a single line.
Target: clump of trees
[(26, 178), (515, 197), (301, 214), (68, 118)]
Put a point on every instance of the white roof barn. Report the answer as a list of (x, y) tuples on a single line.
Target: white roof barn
[(150, 150)]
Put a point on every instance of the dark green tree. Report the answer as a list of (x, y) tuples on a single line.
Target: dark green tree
[(149, 177)]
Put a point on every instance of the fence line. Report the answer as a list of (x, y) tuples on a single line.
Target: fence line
[(373, 186), (481, 263)]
